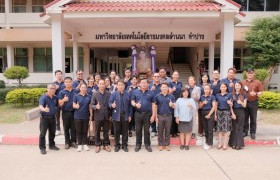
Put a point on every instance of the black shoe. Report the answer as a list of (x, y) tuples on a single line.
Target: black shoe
[(253, 136), (149, 149), (74, 145), (245, 134), (54, 148), (193, 135), (43, 151), (130, 134), (67, 146), (238, 148), (137, 148), (182, 147), (125, 149), (187, 147), (117, 148)]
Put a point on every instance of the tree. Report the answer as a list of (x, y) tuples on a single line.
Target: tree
[(18, 73), (263, 39)]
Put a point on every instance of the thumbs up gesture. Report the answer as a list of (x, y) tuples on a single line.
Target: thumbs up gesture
[(114, 105), (205, 102), (153, 88), (77, 105), (65, 99), (47, 108), (98, 105), (138, 105), (239, 101), (170, 103)]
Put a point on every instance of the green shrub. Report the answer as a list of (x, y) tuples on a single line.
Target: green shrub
[(260, 74), (269, 100), (2, 84), (3, 93), (24, 96), (18, 73)]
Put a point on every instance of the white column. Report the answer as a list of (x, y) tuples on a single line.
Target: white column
[(211, 54), (29, 6), (10, 56), (30, 59), (58, 44), (8, 8), (86, 60), (227, 40), (75, 57)]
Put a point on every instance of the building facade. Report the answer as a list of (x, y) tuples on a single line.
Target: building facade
[(96, 36)]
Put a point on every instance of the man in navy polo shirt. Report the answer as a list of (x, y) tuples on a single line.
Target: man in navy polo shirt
[(215, 82), (59, 85), (230, 80), (142, 100), (66, 102), (155, 87), (48, 106), (120, 104), (165, 104), (77, 83)]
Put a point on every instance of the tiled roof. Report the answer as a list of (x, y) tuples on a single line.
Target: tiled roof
[(141, 6)]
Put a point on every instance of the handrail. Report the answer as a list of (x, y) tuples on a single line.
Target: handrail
[(169, 62)]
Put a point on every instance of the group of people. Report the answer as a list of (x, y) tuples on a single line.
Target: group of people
[(160, 103)]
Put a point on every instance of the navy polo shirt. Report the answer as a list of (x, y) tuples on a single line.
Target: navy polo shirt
[(127, 84), (178, 86), (210, 99), (89, 90), (235, 99), (61, 86), (83, 112), (157, 88), (144, 98), (67, 106), (76, 84), (202, 88), (51, 102), (162, 103), (215, 88), (222, 101), (227, 81)]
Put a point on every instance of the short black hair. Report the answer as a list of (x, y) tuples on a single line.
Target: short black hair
[(165, 83), (57, 71), (68, 78), (121, 81), (79, 70)]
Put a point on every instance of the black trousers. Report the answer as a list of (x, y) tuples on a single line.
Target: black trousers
[(46, 123), (236, 136), (82, 131), (208, 125), (200, 122), (121, 128), (57, 118), (142, 120), (174, 126), (132, 123), (69, 126), (251, 112), (98, 125), (164, 124)]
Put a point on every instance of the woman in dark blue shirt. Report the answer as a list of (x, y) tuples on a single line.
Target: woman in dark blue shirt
[(207, 104), (82, 115), (91, 85), (223, 114), (236, 140)]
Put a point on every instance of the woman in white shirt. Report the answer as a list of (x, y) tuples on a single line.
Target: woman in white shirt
[(184, 111)]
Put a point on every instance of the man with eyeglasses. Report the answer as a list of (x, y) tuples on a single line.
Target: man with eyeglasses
[(215, 82), (78, 81)]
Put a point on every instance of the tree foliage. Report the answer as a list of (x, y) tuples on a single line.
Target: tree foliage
[(18, 73)]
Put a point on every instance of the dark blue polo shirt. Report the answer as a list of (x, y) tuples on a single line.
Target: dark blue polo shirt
[(76, 84), (83, 112), (89, 90), (227, 81), (215, 88), (178, 86), (145, 99), (127, 84), (68, 106), (51, 102), (157, 88), (235, 99), (222, 101), (61, 86), (210, 99), (162, 103), (202, 88)]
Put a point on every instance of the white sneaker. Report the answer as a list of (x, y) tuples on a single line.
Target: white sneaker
[(57, 133), (206, 147), (153, 134), (86, 148), (79, 149)]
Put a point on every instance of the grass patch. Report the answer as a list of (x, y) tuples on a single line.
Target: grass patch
[(13, 114), (270, 116)]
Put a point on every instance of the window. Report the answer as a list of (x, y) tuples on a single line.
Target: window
[(256, 5), (21, 57), (81, 58), (19, 6), (243, 3), (216, 58), (3, 59), (272, 5), (69, 59), (2, 6), (42, 60), (38, 5)]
